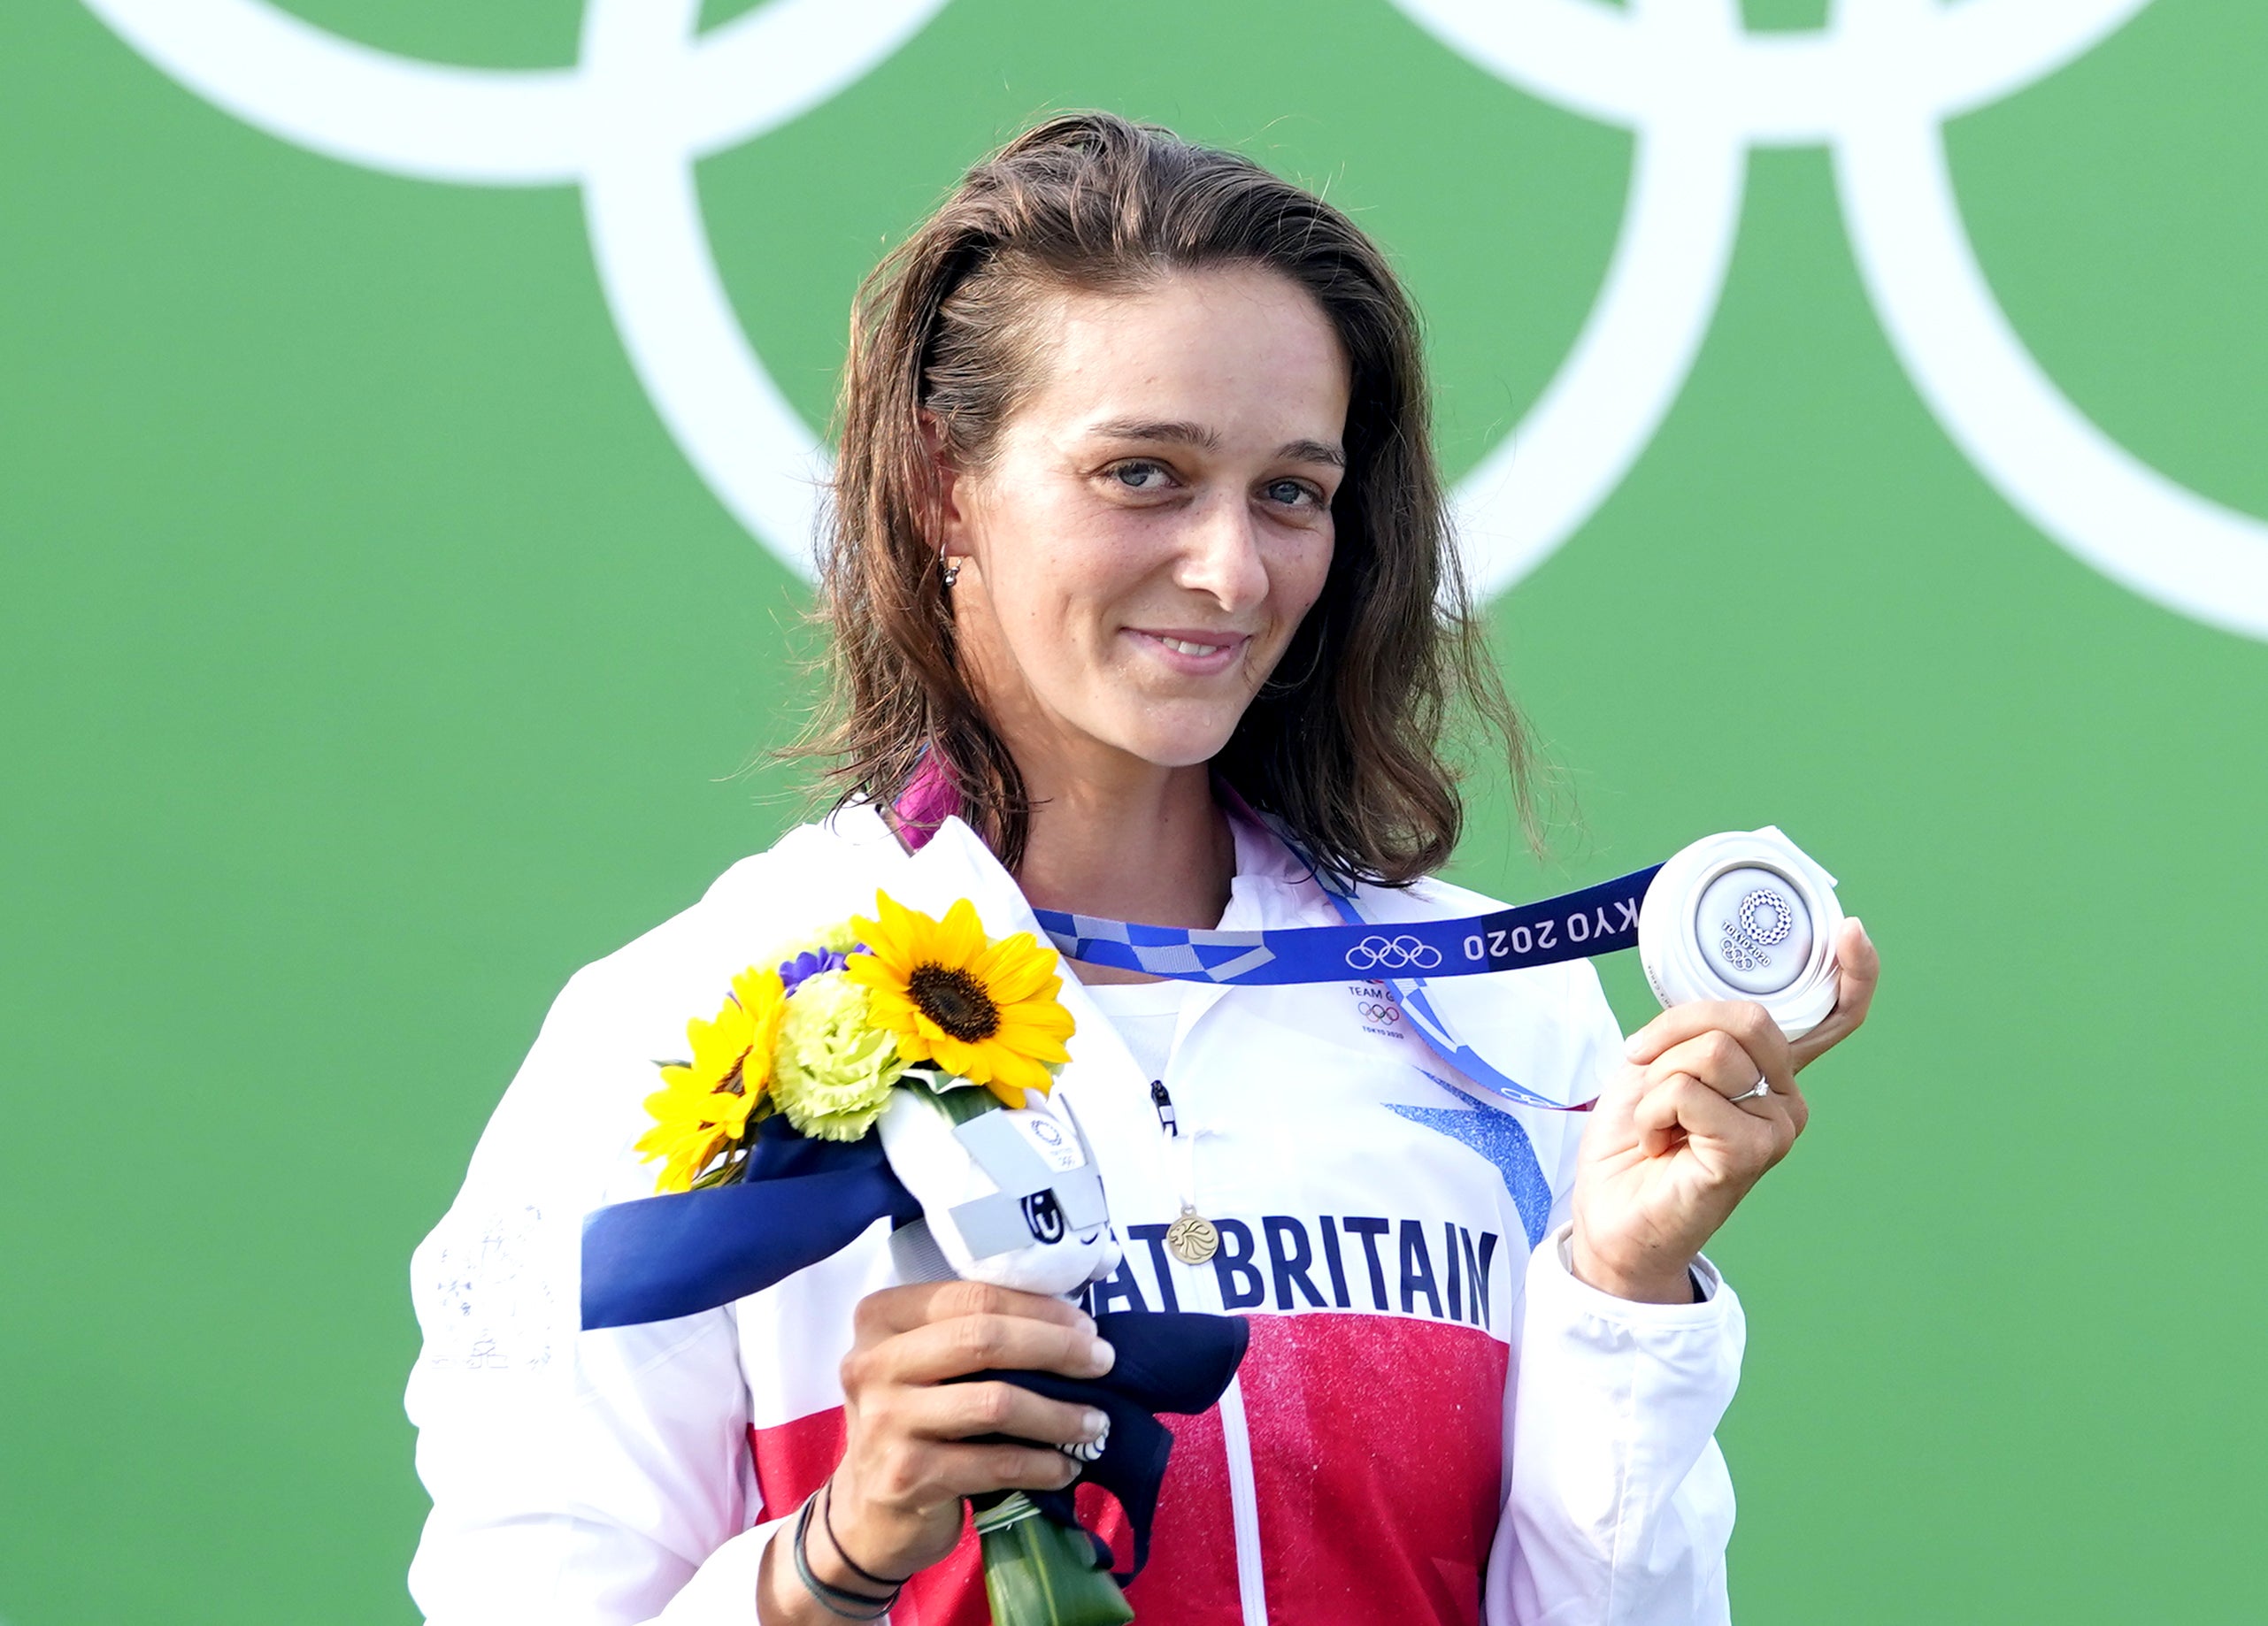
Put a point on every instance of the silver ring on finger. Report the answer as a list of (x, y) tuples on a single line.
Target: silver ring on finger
[(1763, 1089)]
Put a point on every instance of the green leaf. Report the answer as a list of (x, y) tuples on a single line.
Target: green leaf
[(1038, 1573)]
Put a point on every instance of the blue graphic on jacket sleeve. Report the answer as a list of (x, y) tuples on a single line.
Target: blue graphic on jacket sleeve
[(1498, 1137)]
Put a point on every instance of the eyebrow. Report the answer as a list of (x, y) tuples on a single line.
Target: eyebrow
[(1180, 433)]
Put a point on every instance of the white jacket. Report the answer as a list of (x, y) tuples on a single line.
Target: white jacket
[(1436, 1421)]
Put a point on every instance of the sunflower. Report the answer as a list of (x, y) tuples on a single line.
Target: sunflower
[(982, 1010), (704, 1104)]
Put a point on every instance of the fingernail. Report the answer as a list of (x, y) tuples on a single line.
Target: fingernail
[(1102, 1357), (1636, 1047), (1091, 1426)]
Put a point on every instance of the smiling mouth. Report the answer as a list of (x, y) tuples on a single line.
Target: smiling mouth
[(1208, 648)]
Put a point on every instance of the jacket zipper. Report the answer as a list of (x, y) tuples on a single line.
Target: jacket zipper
[(1164, 1102)]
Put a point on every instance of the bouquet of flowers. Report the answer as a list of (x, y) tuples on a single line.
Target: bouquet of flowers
[(824, 1032), (903, 1065)]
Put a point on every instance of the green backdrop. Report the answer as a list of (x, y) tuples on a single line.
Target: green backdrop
[(373, 658)]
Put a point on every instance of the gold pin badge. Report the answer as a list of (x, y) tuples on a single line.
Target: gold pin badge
[(1192, 1239)]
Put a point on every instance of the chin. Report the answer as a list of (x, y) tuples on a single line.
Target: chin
[(1174, 747)]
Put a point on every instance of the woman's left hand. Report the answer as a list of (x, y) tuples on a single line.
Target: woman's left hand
[(1670, 1152)]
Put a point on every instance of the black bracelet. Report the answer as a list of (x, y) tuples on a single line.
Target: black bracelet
[(831, 1599), (826, 1524)]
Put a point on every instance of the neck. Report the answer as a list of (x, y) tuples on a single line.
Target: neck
[(1133, 841)]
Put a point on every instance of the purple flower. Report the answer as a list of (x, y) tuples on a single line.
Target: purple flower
[(810, 962)]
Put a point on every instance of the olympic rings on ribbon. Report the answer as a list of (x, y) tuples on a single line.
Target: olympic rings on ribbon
[(1398, 954)]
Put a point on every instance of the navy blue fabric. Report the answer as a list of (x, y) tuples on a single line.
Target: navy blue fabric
[(802, 1200), (1173, 1360)]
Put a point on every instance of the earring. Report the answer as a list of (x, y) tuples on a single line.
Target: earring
[(952, 572)]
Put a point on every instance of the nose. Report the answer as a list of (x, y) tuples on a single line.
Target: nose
[(1220, 555)]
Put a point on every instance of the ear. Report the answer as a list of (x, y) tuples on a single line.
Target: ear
[(950, 483)]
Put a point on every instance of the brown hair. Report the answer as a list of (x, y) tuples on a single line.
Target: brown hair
[(1348, 752)]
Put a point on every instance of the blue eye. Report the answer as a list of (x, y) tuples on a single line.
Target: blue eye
[(1291, 492), (1139, 476)]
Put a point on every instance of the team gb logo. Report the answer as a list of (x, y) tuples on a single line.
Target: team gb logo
[(652, 94)]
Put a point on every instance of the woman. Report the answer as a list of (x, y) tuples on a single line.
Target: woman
[(1137, 566)]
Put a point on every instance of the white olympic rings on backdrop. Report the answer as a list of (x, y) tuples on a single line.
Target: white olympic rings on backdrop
[(1875, 85), (652, 94)]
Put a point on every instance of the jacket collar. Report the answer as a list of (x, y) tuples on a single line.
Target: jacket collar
[(1274, 886)]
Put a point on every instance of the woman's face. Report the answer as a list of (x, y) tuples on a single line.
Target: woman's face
[(1156, 520)]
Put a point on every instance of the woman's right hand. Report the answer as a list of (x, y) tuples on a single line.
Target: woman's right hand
[(895, 1501)]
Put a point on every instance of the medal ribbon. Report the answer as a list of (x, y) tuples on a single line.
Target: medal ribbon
[(1596, 920), (1402, 954)]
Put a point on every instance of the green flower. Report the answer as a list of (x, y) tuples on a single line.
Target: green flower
[(834, 1068)]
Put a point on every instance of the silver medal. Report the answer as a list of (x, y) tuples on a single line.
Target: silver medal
[(1743, 915)]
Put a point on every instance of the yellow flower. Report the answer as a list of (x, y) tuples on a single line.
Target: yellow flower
[(985, 1011), (682, 1136), (704, 1104), (835, 1067)]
